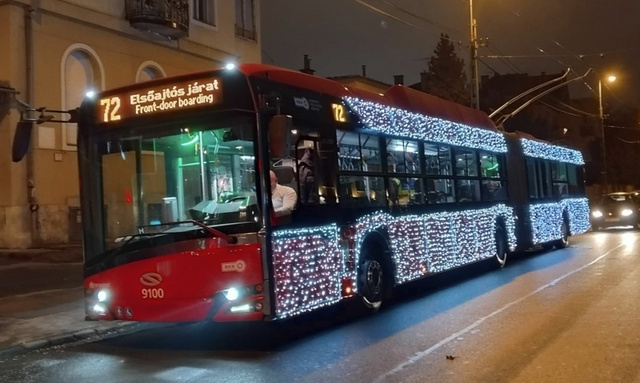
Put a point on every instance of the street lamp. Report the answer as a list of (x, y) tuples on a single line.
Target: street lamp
[(609, 79)]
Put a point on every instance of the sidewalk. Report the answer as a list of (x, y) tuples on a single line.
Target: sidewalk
[(41, 300)]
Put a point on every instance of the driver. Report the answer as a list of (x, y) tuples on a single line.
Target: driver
[(283, 198)]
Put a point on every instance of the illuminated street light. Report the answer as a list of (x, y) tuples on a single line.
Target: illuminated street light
[(609, 79)]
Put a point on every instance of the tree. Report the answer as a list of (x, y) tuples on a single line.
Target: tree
[(446, 77)]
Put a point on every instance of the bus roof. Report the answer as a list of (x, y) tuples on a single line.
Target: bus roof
[(397, 96)]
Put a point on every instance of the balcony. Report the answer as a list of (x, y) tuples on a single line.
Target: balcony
[(163, 19)]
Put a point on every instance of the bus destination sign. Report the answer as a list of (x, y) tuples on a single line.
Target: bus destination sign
[(154, 100)]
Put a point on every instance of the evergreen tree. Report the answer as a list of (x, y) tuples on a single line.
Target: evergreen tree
[(446, 77)]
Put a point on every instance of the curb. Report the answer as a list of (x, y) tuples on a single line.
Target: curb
[(122, 328)]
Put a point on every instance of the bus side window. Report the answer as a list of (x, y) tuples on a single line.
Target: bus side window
[(572, 176), (532, 178)]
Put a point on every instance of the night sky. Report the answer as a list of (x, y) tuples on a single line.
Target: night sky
[(530, 36)]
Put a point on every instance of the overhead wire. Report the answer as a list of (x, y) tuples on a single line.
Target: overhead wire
[(422, 18), (505, 59), (560, 110), (386, 14)]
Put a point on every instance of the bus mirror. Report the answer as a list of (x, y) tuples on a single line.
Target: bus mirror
[(280, 135), (21, 140)]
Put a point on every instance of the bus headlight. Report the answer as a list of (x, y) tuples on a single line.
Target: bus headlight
[(99, 308), (103, 295), (597, 214), (626, 212), (231, 294)]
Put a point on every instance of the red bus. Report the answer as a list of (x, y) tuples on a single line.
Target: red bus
[(390, 188)]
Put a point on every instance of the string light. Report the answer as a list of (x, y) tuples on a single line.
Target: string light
[(436, 242), (538, 149), (307, 264), (398, 122), (547, 219), (310, 265)]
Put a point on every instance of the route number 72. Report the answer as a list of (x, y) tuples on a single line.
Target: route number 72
[(111, 109)]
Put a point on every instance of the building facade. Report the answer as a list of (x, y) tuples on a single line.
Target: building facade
[(56, 51)]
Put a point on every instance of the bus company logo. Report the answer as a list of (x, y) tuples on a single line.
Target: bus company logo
[(93, 285), (301, 102), (151, 279), (238, 266)]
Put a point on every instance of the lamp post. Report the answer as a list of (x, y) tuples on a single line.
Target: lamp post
[(610, 79)]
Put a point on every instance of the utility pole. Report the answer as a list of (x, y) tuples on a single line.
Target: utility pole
[(475, 99), (604, 147)]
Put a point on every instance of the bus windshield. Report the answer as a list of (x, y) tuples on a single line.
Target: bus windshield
[(152, 181)]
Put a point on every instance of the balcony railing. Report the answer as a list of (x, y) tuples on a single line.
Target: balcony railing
[(167, 18)]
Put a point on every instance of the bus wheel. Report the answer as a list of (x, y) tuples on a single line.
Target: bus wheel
[(564, 240), (501, 246), (371, 283)]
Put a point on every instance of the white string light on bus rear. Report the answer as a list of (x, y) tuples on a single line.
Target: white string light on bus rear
[(547, 218), (536, 149)]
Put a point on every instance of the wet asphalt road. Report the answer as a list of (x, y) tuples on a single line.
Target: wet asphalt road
[(558, 316)]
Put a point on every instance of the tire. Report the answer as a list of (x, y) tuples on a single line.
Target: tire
[(502, 246), (372, 280), (564, 240)]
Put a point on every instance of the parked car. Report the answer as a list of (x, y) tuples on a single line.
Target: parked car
[(616, 210)]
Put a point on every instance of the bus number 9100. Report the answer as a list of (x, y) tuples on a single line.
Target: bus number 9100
[(152, 293)]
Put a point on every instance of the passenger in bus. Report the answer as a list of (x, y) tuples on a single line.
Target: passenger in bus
[(283, 198), (305, 172), (395, 186)]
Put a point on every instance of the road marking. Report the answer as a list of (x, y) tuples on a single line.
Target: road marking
[(421, 354)]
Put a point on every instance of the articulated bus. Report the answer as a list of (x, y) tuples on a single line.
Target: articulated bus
[(391, 188)]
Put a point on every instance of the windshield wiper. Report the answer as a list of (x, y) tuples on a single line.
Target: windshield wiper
[(213, 232), (128, 238), (216, 233)]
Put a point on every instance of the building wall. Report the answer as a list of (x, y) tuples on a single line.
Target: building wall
[(38, 210)]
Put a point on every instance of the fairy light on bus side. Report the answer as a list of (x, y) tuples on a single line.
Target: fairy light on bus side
[(444, 240), (307, 265), (398, 122), (546, 151)]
